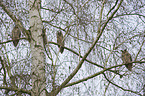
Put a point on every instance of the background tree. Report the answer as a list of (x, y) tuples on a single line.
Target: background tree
[(94, 33)]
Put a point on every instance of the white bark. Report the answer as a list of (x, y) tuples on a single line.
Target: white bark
[(37, 52)]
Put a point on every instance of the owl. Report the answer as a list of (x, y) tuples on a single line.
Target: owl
[(44, 36), (16, 33), (60, 41), (126, 58)]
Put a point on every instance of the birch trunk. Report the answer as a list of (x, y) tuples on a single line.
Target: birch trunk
[(37, 52)]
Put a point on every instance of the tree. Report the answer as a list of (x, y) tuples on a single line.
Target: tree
[(94, 33)]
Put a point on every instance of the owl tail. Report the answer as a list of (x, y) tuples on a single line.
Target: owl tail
[(15, 42), (129, 66), (61, 49)]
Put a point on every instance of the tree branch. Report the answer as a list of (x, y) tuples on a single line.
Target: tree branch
[(135, 92), (17, 21), (98, 73), (87, 53), (16, 89)]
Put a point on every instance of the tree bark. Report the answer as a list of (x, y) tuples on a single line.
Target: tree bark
[(37, 52)]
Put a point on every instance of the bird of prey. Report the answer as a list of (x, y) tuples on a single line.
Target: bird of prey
[(60, 41), (44, 36), (16, 33), (126, 58)]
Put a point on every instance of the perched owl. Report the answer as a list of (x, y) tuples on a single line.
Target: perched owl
[(60, 41), (44, 36), (126, 58), (16, 33)]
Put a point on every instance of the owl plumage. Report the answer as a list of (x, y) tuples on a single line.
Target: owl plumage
[(16, 33), (44, 36), (126, 58), (60, 41)]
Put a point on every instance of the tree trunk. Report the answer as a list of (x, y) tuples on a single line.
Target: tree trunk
[(37, 52)]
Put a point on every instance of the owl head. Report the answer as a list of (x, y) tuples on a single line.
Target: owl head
[(59, 33), (123, 51)]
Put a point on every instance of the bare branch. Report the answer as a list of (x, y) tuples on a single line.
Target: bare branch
[(16, 89), (135, 92)]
